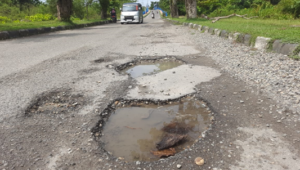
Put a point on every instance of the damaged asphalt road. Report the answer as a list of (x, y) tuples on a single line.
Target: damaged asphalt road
[(55, 87)]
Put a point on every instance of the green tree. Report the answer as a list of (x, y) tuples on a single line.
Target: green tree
[(78, 9)]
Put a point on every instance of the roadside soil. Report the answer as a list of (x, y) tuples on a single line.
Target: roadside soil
[(53, 130)]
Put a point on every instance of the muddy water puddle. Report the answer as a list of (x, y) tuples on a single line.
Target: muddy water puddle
[(148, 132), (149, 68)]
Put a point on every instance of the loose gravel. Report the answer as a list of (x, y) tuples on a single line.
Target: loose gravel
[(274, 74)]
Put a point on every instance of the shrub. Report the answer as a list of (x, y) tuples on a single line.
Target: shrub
[(4, 20), (74, 18), (40, 17)]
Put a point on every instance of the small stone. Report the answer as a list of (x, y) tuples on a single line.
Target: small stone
[(174, 72), (267, 125), (137, 162), (129, 87), (178, 166), (241, 101), (199, 161), (278, 121)]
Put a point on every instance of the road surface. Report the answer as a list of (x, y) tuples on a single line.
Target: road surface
[(78, 66)]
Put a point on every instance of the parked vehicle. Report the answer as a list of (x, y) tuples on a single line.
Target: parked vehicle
[(131, 13), (114, 19)]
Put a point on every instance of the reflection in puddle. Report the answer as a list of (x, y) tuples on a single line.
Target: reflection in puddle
[(134, 132), (147, 68)]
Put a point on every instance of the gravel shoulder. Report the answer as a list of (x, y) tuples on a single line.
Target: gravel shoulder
[(253, 95)]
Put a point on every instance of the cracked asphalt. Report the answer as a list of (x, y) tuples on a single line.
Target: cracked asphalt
[(54, 86)]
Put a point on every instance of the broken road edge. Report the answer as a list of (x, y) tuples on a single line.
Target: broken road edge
[(261, 43)]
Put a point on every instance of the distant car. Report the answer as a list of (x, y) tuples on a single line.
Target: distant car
[(132, 13)]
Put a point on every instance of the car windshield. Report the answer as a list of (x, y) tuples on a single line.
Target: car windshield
[(130, 8)]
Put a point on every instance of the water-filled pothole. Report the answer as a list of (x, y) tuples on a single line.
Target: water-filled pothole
[(147, 130), (148, 67)]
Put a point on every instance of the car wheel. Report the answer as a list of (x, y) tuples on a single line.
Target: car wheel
[(142, 20), (122, 22)]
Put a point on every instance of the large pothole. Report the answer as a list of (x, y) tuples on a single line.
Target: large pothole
[(145, 67), (148, 130)]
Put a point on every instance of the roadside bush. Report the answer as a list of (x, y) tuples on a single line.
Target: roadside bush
[(74, 18), (262, 9), (4, 20), (40, 17), (290, 7)]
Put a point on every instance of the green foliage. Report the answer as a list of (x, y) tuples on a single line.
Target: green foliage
[(164, 5), (181, 7), (74, 19), (78, 9), (290, 7), (53, 23), (4, 20), (40, 17), (284, 30), (51, 6), (285, 9)]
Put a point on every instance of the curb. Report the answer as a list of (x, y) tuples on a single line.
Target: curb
[(261, 43), (4, 35)]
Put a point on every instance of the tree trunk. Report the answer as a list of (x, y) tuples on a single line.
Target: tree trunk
[(64, 9), (104, 7), (87, 12), (174, 9), (191, 8), (104, 13)]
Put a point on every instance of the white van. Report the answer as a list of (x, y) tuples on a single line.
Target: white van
[(131, 13)]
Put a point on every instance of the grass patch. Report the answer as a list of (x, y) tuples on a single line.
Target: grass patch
[(41, 24), (285, 30), (295, 57)]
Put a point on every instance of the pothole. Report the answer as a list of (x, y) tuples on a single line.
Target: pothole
[(88, 71), (149, 130), (56, 102), (145, 67), (102, 60)]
